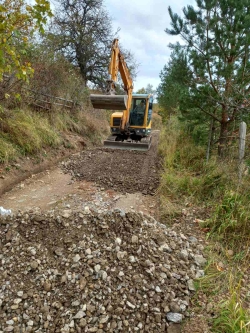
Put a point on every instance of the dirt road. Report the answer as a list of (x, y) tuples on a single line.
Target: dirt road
[(84, 252), (98, 178)]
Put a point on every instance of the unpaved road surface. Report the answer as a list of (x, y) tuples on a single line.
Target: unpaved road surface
[(84, 253), (124, 171), (99, 178)]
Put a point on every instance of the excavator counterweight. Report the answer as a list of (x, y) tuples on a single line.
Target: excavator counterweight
[(109, 102)]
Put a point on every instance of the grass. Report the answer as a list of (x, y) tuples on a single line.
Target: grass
[(26, 132), (231, 216), (231, 315), (188, 179), (224, 289), (186, 175), (8, 151), (30, 132), (233, 318), (156, 121)]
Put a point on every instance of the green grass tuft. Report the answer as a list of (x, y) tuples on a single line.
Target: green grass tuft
[(7, 151), (233, 317)]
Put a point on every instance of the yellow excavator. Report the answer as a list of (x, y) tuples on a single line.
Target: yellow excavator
[(131, 128)]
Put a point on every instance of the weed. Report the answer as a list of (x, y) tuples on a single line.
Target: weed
[(7, 150), (186, 173), (231, 217), (24, 132), (232, 315), (213, 281)]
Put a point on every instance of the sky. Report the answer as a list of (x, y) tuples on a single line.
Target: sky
[(142, 24)]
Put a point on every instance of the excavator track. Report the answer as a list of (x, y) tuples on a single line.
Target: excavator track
[(142, 145)]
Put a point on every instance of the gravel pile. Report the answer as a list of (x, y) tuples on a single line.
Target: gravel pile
[(120, 170), (82, 271)]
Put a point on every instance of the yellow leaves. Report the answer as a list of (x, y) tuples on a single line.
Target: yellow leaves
[(2, 9), (19, 20), (11, 52), (220, 267), (18, 97)]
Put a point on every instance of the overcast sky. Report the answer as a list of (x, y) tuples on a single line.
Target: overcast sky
[(142, 24)]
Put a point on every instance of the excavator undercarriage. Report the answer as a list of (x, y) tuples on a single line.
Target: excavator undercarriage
[(117, 143)]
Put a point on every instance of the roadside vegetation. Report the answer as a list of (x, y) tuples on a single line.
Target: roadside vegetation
[(189, 181), (25, 132), (49, 110), (47, 73), (204, 102)]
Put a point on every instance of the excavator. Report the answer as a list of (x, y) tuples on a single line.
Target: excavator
[(130, 125)]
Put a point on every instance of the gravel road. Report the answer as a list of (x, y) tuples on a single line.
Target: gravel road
[(121, 170), (86, 256)]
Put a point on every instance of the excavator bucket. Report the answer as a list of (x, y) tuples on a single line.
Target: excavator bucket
[(109, 102)]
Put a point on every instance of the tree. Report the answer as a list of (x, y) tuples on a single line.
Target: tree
[(82, 31), (217, 40), (175, 79), (148, 90), (141, 91), (18, 22)]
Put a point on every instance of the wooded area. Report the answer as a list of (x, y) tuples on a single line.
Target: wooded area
[(37, 45), (207, 77)]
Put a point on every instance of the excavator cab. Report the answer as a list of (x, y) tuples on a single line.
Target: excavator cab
[(137, 112)]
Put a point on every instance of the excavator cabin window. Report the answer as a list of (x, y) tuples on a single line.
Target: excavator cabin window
[(137, 112)]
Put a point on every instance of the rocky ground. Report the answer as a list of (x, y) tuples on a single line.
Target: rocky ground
[(84, 252), (81, 271), (120, 170)]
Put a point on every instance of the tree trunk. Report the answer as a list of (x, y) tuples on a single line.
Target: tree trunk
[(210, 138), (222, 148)]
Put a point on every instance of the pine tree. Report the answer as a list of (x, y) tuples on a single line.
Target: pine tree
[(217, 40), (175, 79)]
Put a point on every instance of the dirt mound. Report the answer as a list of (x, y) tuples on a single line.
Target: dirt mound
[(86, 272), (120, 170)]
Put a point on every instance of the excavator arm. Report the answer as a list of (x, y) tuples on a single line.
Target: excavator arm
[(112, 101)]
